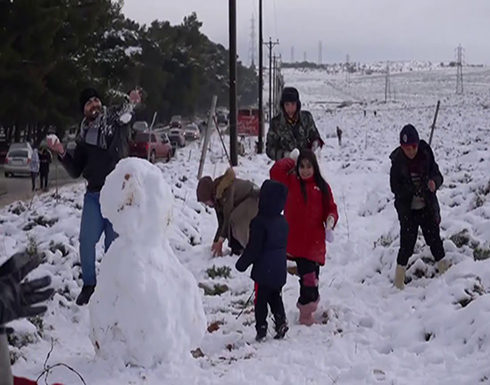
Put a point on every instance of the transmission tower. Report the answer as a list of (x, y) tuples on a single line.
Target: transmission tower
[(253, 46), (304, 57), (292, 54), (347, 69), (320, 53), (387, 83), (459, 66)]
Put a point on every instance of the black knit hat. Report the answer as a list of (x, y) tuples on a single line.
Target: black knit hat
[(409, 135), (290, 94), (86, 95)]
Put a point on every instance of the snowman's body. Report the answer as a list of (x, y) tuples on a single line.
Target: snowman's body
[(147, 307)]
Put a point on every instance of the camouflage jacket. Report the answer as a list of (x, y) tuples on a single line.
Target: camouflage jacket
[(283, 137)]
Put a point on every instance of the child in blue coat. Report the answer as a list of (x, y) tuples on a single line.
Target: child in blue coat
[(266, 250)]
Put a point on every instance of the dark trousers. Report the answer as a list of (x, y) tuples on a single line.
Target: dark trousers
[(308, 272), (268, 296), (33, 179), (44, 179), (409, 227)]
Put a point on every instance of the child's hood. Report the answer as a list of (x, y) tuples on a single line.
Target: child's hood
[(273, 197)]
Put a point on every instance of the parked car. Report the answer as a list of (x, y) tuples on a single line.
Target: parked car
[(192, 132), (177, 138), (18, 161), (158, 148), (176, 121)]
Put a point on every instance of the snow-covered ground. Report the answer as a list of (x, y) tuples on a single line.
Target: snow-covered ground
[(433, 332)]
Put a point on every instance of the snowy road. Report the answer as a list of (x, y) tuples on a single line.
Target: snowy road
[(434, 332)]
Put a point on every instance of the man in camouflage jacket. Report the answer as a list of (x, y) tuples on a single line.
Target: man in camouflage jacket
[(292, 128)]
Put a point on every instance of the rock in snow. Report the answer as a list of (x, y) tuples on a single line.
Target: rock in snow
[(147, 307)]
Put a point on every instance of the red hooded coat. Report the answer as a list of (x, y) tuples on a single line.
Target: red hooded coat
[(307, 220)]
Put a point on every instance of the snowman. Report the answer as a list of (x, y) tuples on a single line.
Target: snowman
[(147, 307)]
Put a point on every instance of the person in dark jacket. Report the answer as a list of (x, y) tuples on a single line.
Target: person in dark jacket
[(101, 141), (292, 128), (44, 160), (415, 179), (266, 251)]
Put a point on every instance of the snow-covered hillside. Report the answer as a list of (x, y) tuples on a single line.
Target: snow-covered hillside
[(433, 332)]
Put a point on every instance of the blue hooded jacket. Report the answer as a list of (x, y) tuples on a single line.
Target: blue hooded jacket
[(266, 248)]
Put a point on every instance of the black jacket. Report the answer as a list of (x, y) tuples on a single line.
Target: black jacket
[(401, 181), (266, 248), (95, 163)]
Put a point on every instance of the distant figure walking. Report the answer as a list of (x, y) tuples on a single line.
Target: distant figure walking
[(34, 168), (339, 136), (45, 159)]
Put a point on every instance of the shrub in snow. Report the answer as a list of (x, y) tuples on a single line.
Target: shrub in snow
[(147, 307)]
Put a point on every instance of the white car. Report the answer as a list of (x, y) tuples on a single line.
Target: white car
[(191, 132), (18, 160)]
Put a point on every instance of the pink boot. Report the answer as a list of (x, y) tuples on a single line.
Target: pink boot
[(306, 312)]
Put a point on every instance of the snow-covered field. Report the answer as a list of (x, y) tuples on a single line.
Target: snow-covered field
[(436, 331)]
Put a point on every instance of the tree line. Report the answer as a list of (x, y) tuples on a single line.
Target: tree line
[(51, 49)]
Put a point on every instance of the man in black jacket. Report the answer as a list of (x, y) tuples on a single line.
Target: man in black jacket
[(414, 179), (266, 250), (102, 140)]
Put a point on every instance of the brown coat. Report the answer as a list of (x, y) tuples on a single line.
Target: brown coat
[(229, 193)]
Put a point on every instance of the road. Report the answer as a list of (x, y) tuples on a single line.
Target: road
[(20, 188)]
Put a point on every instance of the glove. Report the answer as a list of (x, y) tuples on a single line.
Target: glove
[(16, 299), (330, 222), (329, 236), (294, 155)]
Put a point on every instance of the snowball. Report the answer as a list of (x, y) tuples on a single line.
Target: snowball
[(147, 307), (52, 139), (125, 118)]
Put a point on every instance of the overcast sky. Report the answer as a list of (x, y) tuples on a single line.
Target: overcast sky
[(367, 30)]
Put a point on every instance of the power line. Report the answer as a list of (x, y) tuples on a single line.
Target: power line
[(253, 45), (271, 44), (387, 83), (459, 65), (347, 69), (275, 18)]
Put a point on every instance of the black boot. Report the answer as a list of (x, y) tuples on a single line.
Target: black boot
[(281, 330), (84, 296), (235, 246), (261, 333)]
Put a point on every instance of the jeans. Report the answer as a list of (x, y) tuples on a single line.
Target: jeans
[(91, 229), (33, 179), (44, 180)]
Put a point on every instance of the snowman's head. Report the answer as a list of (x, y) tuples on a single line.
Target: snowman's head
[(137, 201)]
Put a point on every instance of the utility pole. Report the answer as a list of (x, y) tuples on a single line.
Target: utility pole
[(387, 83), (292, 54), (253, 43), (459, 66), (233, 93), (304, 57), (260, 143), (347, 69), (320, 53), (271, 44), (274, 82)]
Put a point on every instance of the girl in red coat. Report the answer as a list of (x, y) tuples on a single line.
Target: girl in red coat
[(310, 211)]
